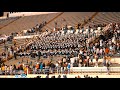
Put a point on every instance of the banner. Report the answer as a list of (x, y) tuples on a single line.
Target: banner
[(21, 76)]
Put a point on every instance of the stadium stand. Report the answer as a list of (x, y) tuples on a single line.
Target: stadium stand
[(26, 22), (63, 42)]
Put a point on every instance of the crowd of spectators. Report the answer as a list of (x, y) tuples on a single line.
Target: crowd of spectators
[(64, 76), (71, 43), (74, 45), (5, 40), (34, 30)]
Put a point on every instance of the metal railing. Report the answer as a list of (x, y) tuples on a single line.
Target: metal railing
[(95, 69), (65, 71), (13, 72)]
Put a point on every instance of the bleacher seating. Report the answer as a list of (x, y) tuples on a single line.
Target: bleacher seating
[(67, 18), (6, 21), (27, 22), (106, 18)]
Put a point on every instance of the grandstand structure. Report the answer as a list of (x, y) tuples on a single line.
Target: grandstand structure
[(71, 18), (30, 29), (16, 19)]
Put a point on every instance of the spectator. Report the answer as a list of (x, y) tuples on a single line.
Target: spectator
[(59, 76), (47, 76), (68, 67), (104, 61), (108, 68)]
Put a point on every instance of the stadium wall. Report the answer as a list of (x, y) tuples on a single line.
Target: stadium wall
[(15, 14), (68, 75)]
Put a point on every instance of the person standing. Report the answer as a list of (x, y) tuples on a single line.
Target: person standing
[(41, 67), (15, 55), (108, 63), (59, 68), (87, 61), (106, 51), (11, 69), (39, 54), (108, 68), (68, 68), (104, 61), (96, 62)]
